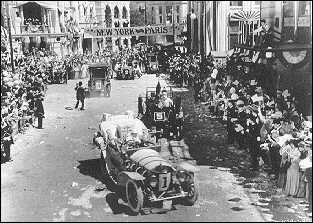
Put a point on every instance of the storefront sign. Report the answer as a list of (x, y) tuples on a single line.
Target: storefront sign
[(134, 31)]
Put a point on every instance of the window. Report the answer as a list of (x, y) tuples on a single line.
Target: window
[(235, 3), (304, 8), (152, 15), (160, 10), (161, 19), (124, 13), (116, 13), (168, 11), (177, 13), (288, 8), (257, 2)]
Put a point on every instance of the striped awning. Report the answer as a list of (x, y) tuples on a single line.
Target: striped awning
[(245, 15)]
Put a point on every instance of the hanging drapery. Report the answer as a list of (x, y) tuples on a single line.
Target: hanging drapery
[(209, 26), (247, 21)]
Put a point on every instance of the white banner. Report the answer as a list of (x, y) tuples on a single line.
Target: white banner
[(135, 31)]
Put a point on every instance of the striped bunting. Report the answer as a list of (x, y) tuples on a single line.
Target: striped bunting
[(246, 15)]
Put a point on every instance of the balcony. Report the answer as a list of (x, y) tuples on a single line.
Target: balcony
[(35, 30)]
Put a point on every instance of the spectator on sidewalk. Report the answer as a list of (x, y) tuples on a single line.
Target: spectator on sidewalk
[(80, 95), (39, 110)]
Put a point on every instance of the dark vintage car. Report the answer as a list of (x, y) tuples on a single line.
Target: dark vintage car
[(132, 161), (167, 122), (126, 71), (99, 83)]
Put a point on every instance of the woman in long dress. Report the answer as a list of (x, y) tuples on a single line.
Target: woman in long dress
[(293, 172)]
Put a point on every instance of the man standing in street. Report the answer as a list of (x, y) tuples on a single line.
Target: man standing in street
[(39, 110), (80, 95)]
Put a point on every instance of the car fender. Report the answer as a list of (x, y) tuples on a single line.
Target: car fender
[(125, 175), (187, 167)]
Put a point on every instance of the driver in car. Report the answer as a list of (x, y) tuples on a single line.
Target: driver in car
[(164, 101)]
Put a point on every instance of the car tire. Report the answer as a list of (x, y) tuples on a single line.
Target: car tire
[(105, 175), (193, 194), (134, 196)]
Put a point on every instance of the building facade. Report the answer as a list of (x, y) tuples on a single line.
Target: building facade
[(159, 12), (213, 25), (59, 25)]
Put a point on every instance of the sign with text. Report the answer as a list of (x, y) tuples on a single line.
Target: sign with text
[(134, 31)]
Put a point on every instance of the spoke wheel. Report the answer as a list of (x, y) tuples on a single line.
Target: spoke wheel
[(134, 196), (106, 173), (193, 193)]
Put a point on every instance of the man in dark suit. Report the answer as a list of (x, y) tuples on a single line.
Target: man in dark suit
[(80, 95)]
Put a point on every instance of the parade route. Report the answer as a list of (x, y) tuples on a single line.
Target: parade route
[(54, 174)]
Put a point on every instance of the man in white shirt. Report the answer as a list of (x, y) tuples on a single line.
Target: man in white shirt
[(265, 34), (165, 102)]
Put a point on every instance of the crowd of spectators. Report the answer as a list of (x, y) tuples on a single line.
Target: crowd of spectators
[(260, 119)]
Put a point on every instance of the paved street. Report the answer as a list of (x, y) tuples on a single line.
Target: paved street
[(54, 172)]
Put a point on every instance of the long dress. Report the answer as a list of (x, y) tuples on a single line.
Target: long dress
[(282, 172), (293, 178)]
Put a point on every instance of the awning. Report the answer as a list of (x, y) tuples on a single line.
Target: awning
[(44, 4)]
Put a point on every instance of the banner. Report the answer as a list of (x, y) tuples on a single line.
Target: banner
[(134, 31)]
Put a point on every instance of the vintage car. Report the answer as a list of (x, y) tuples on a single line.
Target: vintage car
[(126, 71), (153, 64), (100, 75), (167, 122), (130, 159)]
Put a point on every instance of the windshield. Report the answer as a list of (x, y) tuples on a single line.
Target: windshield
[(100, 72)]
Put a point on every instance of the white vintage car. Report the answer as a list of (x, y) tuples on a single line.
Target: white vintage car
[(131, 159)]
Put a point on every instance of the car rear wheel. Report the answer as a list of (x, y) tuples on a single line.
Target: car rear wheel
[(134, 196)]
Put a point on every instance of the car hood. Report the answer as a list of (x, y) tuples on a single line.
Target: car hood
[(149, 158)]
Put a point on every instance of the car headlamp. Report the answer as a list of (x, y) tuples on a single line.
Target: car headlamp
[(153, 181)]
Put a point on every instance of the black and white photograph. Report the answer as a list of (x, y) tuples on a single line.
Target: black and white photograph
[(156, 111)]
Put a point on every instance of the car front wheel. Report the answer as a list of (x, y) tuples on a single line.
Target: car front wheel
[(193, 192), (134, 196)]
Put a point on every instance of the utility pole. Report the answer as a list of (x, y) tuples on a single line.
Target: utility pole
[(10, 35)]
